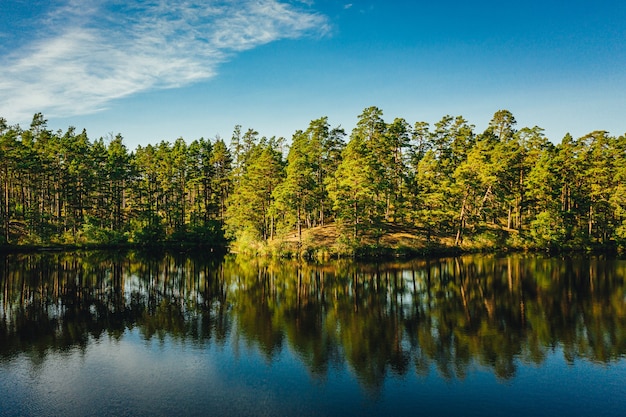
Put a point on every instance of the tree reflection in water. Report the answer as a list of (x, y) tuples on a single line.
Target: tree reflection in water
[(378, 319)]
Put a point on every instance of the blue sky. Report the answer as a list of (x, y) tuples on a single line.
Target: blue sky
[(158, 70)]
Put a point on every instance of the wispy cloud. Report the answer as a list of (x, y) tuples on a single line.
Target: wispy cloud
[(90, 52)]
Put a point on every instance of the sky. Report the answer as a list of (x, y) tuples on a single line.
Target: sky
[(158, 70)]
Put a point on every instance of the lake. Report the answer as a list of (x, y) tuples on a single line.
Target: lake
[(108, 333)]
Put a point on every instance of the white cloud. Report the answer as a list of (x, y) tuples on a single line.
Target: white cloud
[(89, 52)]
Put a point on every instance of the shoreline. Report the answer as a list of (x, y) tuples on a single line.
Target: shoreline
[(318, 253)]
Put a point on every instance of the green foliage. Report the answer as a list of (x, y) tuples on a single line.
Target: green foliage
[(103, 236), (150, 232), (346, 246), (251, 204), (546, 230), (246, 242), (502, 187), (301, 200), (620, 234), (211, 232)]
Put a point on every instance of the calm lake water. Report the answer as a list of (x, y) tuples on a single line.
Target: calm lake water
[(104, 333)]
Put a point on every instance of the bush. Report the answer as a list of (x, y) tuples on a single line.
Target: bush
[(209, 232), (547, 231), (101, 236), (620, 235), (149, 234), (247, 243)]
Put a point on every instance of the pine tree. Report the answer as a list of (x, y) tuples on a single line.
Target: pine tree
[(250, 206)]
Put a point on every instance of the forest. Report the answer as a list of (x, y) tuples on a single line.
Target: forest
[(442, 184)]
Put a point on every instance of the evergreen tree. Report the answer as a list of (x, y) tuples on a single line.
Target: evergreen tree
[(250, 206), (118, 171), (447, 181), (147, 211), (221, 162), (313, 157), (296, 195), (355, 191)]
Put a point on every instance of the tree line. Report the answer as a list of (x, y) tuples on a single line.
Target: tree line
[(443, 182)]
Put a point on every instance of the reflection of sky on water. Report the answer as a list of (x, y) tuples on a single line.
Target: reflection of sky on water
[(134, 376), (472, 336)]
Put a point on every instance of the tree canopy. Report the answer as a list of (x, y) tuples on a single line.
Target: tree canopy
[(508, 185)]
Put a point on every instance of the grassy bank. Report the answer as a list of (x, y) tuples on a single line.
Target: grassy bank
[(328, 242)]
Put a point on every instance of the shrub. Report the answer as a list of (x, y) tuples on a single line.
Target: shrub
[(546, 230)]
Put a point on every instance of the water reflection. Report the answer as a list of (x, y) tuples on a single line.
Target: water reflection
[(381, 319)]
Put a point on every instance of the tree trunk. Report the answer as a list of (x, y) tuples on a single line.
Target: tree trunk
[(356, 219), (508, 220), (482, 203), (299, 225), (459, 233)]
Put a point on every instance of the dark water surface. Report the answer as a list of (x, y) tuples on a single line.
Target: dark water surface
[(102, 333)]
